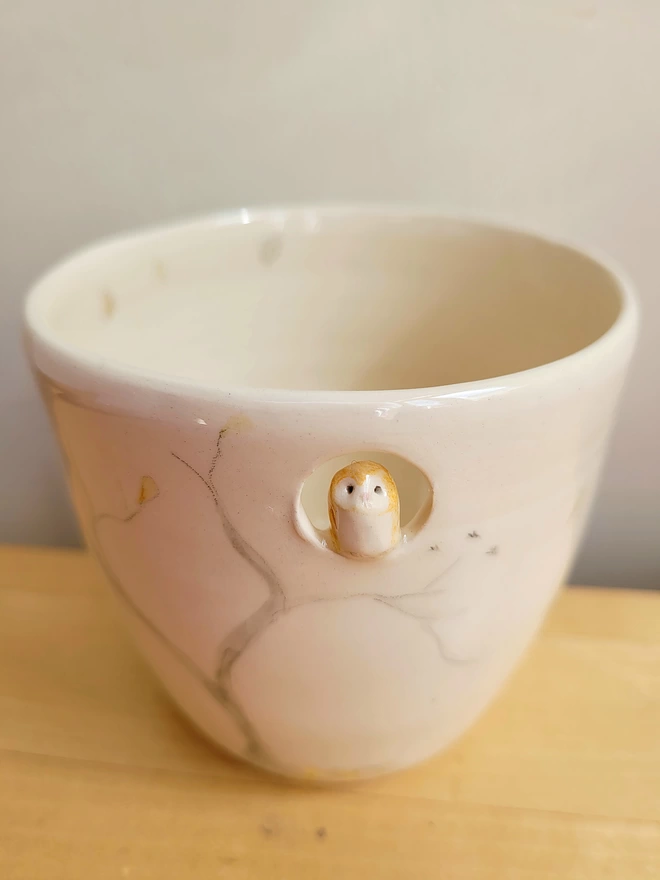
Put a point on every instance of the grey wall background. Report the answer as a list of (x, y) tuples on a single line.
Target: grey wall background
[(118, 113)]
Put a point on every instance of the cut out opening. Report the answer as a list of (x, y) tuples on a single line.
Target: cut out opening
[(413, 486)]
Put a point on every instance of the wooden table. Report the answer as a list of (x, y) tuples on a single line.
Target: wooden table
[(100, 777)]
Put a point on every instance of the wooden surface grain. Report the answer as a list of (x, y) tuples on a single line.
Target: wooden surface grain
[(100, 778)]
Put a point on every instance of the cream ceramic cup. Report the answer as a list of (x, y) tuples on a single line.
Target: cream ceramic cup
[(206, 381)]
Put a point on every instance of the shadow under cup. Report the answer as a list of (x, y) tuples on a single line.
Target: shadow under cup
[(206, 380)]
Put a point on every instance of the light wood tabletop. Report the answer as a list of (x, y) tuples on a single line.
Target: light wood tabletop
[(100, 779)]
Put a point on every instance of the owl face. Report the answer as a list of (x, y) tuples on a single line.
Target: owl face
[(362, 493), (364, 487)]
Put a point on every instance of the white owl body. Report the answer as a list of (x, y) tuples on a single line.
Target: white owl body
[(364, 535), (364, 510)]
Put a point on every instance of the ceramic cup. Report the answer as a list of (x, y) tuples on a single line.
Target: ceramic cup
[(206, 382)]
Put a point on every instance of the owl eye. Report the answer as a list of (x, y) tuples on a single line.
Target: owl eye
[(349, 489), (378, 490)]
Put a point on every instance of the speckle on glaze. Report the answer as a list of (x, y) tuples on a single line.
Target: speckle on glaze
[(270, 250), (160, 271), (108, 303)]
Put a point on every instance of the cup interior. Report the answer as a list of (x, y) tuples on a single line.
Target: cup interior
[(329, 300)]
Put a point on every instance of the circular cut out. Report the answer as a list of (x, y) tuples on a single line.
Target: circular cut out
[(414, 488)]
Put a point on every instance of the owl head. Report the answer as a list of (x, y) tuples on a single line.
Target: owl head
[(364, 487)]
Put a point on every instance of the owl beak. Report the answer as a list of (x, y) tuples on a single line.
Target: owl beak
[(365, 497)]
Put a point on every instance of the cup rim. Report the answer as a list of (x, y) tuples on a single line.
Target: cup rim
[(56, 358)]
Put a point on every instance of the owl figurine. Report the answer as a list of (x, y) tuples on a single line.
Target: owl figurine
[(363, 504)]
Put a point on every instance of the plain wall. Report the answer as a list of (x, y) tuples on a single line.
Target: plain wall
[(122, 113)]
